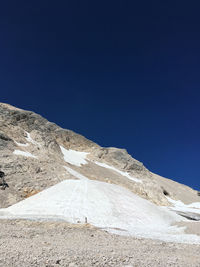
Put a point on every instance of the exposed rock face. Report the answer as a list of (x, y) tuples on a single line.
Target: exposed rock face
[(31, 157), (121, 158)]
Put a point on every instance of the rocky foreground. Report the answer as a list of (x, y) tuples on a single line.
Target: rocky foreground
[(51, 244)]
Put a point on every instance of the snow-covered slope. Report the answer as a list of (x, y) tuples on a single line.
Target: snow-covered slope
[(80, 181), (104, 205)]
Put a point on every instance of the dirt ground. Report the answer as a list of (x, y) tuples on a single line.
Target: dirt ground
[(47, 244)]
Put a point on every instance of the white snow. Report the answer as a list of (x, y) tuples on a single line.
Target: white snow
[(180, 206), (126, 174), (20, 144), (74, 157), (110, 207), (24, 153), (29, 138)]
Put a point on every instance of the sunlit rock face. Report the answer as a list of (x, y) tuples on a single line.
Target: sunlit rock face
[(34, 153)]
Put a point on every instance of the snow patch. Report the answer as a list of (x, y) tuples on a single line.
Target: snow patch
[(126, 174), (30, 140), (74, 157), (178, 205), (24, 153), (20, 144)]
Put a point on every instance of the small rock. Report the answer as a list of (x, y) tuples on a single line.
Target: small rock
[(58, 261)]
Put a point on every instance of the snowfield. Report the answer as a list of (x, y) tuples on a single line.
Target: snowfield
[(74, 157), (110, 207)]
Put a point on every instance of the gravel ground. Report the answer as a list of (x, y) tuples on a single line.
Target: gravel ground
[(48, 244)]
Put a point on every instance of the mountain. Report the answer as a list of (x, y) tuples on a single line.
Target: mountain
[(54, 173)]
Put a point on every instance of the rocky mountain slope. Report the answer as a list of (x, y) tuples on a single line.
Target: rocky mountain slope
[(31, 157)]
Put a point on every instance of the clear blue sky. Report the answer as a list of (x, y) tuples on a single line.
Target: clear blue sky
[(122, 73)]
